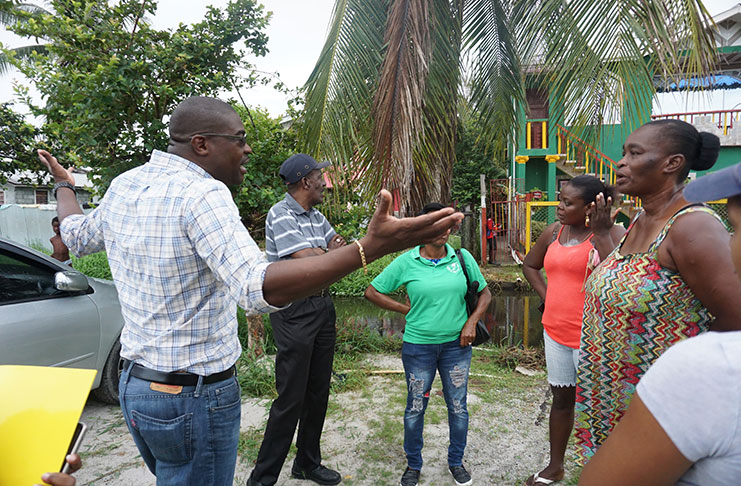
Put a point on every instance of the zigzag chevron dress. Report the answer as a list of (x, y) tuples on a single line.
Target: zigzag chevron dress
[(634, 310)]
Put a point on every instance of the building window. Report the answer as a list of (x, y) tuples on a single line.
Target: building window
[(83, 197), (42, 196), (24, 195)]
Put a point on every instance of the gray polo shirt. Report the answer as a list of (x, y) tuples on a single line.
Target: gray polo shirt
[(290, 228)]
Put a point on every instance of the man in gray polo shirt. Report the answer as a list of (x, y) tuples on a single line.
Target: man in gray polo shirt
[(304, 332)]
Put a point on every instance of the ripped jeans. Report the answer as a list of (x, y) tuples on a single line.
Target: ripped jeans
[(420, 362)]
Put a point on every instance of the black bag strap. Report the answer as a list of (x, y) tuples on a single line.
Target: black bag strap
[(463, 266)]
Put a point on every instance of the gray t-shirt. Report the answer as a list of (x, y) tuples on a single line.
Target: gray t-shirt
[(694, 392), (290, 228)]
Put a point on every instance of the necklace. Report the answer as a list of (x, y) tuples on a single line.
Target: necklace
[(568, 236), (424, 254)]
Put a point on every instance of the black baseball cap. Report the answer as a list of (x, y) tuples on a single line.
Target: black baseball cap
[(716, 185), (298, 166)]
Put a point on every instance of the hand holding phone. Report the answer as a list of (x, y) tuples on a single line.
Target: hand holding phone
[(63, 479), (74, 446)]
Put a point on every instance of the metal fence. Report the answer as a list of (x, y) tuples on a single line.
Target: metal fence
[(722, 210), (29, 225), (538, 215)]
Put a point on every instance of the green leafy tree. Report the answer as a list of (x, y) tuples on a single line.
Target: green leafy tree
[(271, 144), (108, 79), (382, 99), (473, 158), (17, 141)]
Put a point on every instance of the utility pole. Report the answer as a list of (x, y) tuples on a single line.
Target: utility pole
[(483, 219)]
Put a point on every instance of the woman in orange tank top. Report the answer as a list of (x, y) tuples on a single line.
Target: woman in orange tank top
[(568, 252)]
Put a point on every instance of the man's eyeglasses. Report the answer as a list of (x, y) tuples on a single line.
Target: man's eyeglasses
[(240, 139)]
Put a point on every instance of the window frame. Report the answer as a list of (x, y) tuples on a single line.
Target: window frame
[(39, 192)]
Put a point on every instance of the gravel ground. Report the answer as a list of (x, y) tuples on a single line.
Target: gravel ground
[(363, 433)]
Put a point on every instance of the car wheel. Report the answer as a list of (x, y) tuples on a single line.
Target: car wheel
[(108, 390)]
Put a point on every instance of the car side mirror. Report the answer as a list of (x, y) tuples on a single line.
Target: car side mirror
[(70, 281)]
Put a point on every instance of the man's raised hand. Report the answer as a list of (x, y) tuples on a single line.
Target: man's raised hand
[(59, 173)]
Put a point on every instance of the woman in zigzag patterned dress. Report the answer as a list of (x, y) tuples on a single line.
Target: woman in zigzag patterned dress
[(669, 278)]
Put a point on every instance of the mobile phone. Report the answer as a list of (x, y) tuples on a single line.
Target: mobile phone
[(74, 445)]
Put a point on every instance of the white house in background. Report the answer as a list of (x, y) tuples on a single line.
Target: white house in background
[(17, 191)]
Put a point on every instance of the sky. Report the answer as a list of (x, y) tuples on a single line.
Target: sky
[(297, 32)]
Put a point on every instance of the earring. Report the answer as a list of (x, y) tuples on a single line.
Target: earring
[(586, 221)]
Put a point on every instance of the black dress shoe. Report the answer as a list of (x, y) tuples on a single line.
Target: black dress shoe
[(320, 475)]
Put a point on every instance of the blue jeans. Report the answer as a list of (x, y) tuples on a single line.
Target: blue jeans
[(420, 363), (189, 438)]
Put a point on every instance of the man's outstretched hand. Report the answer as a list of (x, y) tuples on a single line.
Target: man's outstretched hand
[(387, 234), (59, 173), (290, 280)]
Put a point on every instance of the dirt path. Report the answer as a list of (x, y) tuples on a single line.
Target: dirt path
[(363, 434)]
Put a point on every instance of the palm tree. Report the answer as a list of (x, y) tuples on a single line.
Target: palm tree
[(382, 99), (9, 15)]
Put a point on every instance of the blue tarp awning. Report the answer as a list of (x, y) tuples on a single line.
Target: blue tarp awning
[(720, 81)]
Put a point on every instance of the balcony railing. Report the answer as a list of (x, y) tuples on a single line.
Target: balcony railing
[(724, 119), (593, 160)]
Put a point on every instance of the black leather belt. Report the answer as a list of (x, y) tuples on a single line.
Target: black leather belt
[(182, 379)]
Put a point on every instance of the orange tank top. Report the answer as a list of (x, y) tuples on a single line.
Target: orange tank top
[(566, 270)]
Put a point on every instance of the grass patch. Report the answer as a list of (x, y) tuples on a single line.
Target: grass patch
[(256, 376), (496, 276), (385, 441), (249, 444), (102, 451)]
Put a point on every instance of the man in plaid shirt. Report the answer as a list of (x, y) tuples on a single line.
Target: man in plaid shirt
[(182, 261)]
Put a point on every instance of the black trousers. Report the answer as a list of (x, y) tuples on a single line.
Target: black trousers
[(305, 335)]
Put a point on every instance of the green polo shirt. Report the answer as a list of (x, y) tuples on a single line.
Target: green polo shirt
[(436, 293)]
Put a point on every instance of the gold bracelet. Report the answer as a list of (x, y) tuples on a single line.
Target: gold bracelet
[(362, 257)]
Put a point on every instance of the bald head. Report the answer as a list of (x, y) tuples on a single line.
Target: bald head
[(199, 114)]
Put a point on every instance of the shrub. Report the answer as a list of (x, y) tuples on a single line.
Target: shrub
[(256, 375), (95, 265), (354, 284), (509, 357), (355, 337)]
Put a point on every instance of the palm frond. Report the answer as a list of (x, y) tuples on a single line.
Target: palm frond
[(591, 54), (23, 52), (435, 152), (496, 89), (11, 12), (336, 120), (399, 98)]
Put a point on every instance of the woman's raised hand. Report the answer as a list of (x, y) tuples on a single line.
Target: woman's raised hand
[(601, 215)]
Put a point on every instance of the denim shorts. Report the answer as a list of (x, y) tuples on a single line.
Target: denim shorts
[(561, 362)]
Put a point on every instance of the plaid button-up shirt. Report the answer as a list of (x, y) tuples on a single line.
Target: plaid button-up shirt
[(181, 261)]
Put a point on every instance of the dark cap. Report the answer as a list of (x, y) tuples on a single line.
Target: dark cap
[(716, 185), (298, 166)]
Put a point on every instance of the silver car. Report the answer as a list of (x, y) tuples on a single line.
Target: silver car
[(52, 315)]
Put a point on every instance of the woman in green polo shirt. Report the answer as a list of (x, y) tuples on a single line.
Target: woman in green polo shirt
[(437, 337)]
